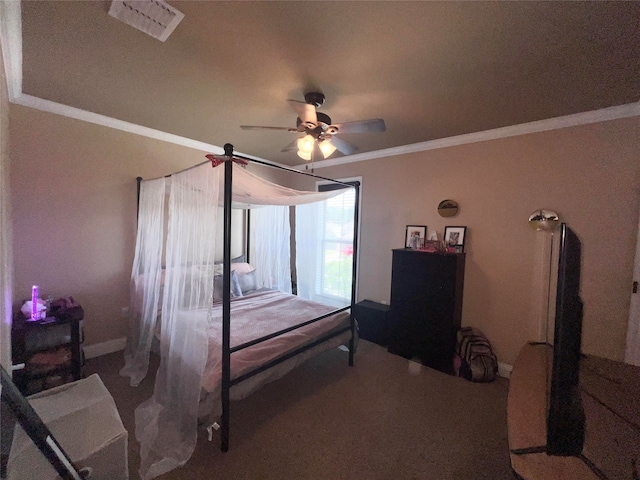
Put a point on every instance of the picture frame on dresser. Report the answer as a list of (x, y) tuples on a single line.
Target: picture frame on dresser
[(454, 238), (415, 236)]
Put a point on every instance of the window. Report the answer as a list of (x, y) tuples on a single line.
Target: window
[(324, 247), (335, 270)]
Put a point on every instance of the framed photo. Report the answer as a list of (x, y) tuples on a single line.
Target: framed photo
[(414, 236), (454, 238)]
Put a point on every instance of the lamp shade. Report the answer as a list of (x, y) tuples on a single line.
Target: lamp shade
[(545, 220), (304, 155), (327, 148), (305, 144)]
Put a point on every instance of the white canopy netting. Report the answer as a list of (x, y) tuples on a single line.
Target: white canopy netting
[(172, 291)]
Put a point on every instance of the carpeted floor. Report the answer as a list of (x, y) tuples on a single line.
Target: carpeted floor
[(384, 418)]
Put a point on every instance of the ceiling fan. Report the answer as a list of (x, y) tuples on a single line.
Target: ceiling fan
[(320, 135)]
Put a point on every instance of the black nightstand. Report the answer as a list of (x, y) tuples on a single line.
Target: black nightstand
[(372, 321), (50, 350)]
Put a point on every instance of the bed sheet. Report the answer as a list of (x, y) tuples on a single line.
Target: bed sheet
[(257, 315)]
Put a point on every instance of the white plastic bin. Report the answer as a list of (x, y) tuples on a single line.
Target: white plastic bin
[(83, 418)]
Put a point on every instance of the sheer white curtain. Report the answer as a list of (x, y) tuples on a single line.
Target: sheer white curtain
[(166, 424), (308, 249), (270, 247), (146, 277)]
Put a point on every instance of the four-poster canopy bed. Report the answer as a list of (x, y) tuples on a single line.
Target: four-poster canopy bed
[(214, 351)]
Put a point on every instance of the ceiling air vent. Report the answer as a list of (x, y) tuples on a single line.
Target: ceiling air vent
[(153, 17)]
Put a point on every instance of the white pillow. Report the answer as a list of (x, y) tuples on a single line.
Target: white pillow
[(242, 268), (248, 281)]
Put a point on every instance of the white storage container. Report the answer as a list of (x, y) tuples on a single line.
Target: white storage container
[(83, 418)]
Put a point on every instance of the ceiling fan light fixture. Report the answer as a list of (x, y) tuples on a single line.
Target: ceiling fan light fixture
[(304, 155), (327, 148), (317, 135), (305, 144)]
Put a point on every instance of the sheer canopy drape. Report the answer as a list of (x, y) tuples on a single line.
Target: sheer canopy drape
[(174, 300), (146, 277), (166, 424), (270, 247)]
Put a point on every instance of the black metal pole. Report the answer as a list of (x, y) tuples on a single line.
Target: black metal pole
[(37, 430), (226, 300), (247, 243), (354, 273), (292, 170), (266, 164), (138, 181)]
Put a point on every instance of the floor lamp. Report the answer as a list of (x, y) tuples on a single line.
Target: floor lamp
[(546, 221)]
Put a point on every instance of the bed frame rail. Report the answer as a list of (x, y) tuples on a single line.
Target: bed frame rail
[(285, 330), (287, 356)]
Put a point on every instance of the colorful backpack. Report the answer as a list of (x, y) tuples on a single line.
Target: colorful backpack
[(475, 360)]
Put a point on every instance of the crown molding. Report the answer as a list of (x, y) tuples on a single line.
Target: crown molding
[(584, 118), (91, 117), (110, 122), (11, 42)]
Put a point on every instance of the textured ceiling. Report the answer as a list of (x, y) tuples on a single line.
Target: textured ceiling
[(431, 70)]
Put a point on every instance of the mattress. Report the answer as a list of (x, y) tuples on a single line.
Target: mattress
[(255, 316)]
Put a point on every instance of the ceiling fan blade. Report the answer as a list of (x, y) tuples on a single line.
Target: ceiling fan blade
[(306, 113), (343, 146), (260, 127), (362, 126), (292, 146)]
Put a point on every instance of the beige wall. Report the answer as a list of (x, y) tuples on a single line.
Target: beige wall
[(74, 210), (73, 198), (590, 175)]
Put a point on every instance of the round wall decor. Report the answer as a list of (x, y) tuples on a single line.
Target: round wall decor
[(448, 208)]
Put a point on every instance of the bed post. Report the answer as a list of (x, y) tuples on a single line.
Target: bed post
[(356, 214), (247, 232), (138, 181), (226, 299)]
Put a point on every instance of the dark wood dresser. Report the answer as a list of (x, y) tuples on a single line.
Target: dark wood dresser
[(426, 306)]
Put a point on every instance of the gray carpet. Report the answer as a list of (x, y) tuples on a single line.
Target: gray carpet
[(384, 418)]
